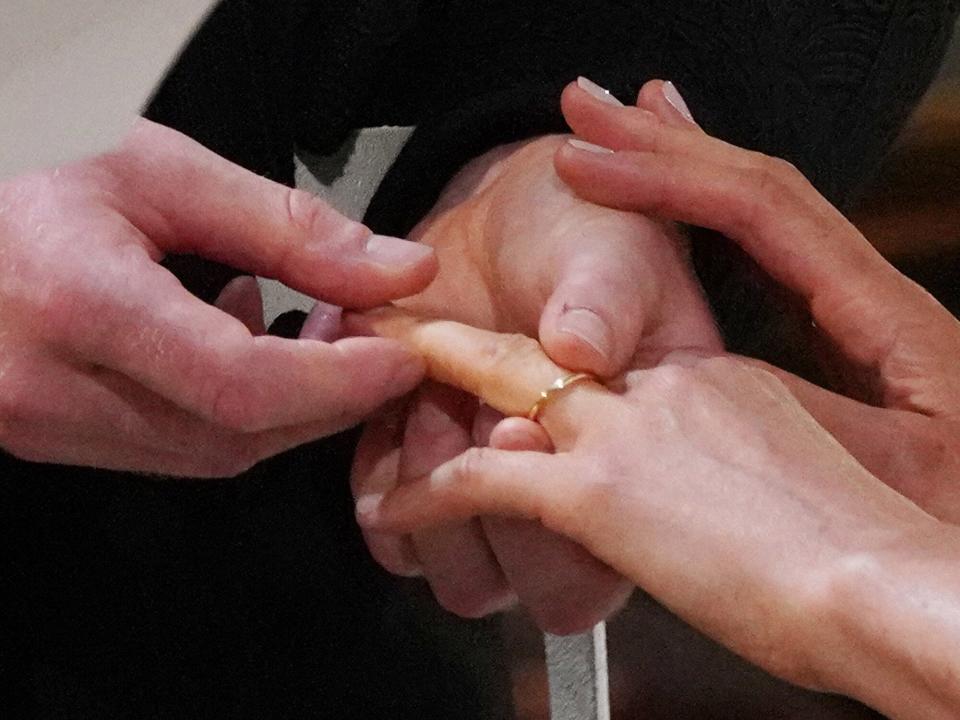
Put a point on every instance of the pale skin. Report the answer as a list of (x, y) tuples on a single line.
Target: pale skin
[(106, 360), (704, 480), (603, 290), (894, 348)]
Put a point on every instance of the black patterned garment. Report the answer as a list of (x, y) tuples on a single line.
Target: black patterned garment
[(124, 597)]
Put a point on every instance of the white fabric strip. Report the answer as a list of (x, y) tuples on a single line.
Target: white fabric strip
[(347, 179), (577, 674)]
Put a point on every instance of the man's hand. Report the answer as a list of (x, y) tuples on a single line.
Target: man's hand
[(603, 290), (106, 360)]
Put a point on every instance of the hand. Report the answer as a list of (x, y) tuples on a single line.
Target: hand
[(702, 480), (896, 343), (106, 360), (603, 290), (722, 450)]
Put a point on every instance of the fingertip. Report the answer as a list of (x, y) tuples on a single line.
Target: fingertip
[(583, 168), (241, 298), (384, 365), (414, 261), (676, 101), (395, 553), (577, 337), (569, 350), (663, 99), (367, 509), (516, 433), (323, 323)]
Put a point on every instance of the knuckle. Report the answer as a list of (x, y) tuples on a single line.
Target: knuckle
[(303, 210), (61, 310), (313, 217), (597, 495), (772, 181), (508, 350), (469, 467)]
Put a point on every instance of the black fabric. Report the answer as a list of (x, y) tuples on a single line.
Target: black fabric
[(131, 597)]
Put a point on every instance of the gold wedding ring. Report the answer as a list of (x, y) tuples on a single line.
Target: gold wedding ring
[(561, 384)]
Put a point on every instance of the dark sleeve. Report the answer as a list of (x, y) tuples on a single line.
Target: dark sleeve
[(824, 84)]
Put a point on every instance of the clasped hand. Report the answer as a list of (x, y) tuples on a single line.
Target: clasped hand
[(106, 360), (764, 510), (604, 291)]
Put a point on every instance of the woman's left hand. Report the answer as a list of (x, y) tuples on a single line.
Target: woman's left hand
[(703, 480)]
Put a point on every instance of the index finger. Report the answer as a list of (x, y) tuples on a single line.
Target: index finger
[(148, 327), (189, 200)]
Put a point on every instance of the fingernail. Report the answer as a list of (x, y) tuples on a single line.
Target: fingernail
[(394, 251), (589, 147), (600, 93), (587, 325), (674, 97), (367, 506), (323, 323)]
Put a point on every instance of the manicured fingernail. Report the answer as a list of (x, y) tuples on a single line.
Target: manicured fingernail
[(600, 93), (589, 147), (394, 251), (323, 323), (587, 325), (674, 97), (367, 506)]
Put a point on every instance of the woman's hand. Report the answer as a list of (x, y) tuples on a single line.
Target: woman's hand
[(106, 360), (603, 290), (897, 346), (703, 480)]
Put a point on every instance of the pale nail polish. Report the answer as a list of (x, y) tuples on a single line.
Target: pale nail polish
[(587, 325), (674, 97), (600, 93), (367, 506), (589, 147), (394, 251)]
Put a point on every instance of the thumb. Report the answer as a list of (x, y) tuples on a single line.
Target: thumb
[(603, 294), (187, 199)]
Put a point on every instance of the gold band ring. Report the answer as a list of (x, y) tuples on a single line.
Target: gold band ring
[(558, 387)]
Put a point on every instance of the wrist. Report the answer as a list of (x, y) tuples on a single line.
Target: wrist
[(890, 635)]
